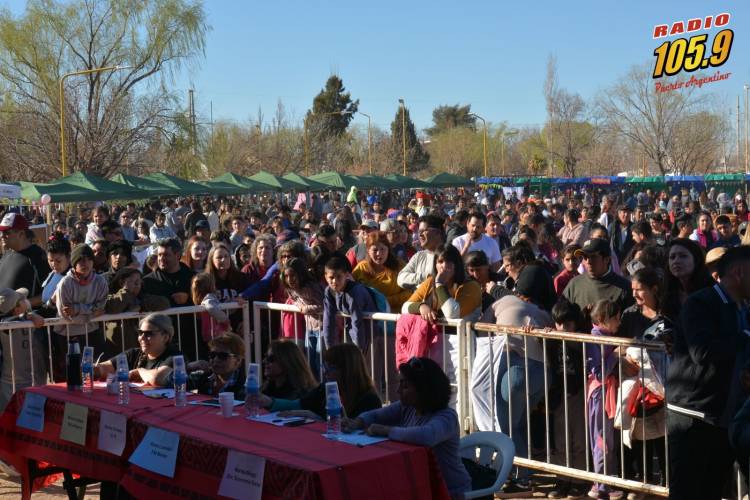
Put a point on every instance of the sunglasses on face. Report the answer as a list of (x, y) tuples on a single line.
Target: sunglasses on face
[(147, 334), (222, 356)]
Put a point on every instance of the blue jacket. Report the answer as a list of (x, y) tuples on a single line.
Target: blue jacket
[(353, 301)]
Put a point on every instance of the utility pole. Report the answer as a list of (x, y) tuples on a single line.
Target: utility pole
[(738, 133), (746, 129), (193, 129)]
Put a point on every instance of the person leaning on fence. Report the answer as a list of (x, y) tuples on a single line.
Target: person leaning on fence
[(80, 297), (421, 416), (706, 380), (306, 293), (23, 264), (126, 295), (517, 364), (344, 295), (21, 350), (379, 269), (155, 334)]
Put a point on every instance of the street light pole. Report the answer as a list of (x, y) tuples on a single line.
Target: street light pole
[(502, 146), (62, 105), (403, 130), (484, 142), (746, 127)]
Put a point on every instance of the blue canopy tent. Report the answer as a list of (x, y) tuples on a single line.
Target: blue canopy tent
[(678, 182)]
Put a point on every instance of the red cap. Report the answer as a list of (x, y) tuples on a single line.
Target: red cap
[(13, 220)]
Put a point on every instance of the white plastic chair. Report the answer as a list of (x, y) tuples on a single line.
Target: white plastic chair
[(496, 450)]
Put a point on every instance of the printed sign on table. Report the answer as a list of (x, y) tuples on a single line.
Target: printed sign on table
[(157, 451), (243, 476), (112, 428), (75, 418), (32, 412)]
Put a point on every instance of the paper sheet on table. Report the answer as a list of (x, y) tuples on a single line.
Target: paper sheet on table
[(243, 476), (159, 393), (32, 412), (358, 438), (157, 451), (275, 419), (214, 403), (112, 432), (75, 420)]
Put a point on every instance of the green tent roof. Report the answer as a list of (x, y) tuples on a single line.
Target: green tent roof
[(336, 180), (241, 181), (310, 185), (107, 190), (177, 185), (60, 193), (274, 182), (734, 178), (148, 186), (447, 180), (403, 182), (223, 188)]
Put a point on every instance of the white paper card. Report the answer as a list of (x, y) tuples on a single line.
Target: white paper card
[(243, 476), (112, 432)]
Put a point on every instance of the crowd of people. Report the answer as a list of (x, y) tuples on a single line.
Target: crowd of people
[(673, 269)]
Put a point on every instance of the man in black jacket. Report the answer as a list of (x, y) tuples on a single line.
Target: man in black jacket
[(24, 264), (704, 388)]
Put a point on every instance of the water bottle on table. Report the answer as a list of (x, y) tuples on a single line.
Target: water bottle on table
[(87, 367), (333, 410), (123, 380), (180, 381), (252, 390), (73, 367)]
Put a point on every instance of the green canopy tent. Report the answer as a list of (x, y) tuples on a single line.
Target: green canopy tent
[(107, 190), (654, 182), (223, 188), (734, 182), (403, 182), (239, 181), (176, 185), (310, 185), (376, 182), (448, 180), (274, 182), (336, 181), (147, 186), (59, 193)]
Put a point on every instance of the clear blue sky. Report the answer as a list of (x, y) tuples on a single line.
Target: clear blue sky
[(490, 54)]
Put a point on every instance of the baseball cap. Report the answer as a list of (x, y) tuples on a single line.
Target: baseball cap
[(202, 224), (9, 298), (714, 255), (369, 224), (13, 221), (595, 245), (388, 225)]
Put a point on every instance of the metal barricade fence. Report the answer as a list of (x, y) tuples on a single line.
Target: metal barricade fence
[(582, 392), (32, 358), (380, 353)]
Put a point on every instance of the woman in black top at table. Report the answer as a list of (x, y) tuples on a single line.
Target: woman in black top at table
[(155, 334), (343, 363), (286, 372)]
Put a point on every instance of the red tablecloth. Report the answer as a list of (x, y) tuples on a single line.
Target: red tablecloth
[(300, 463)]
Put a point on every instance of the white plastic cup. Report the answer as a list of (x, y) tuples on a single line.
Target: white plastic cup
[(226, 400)]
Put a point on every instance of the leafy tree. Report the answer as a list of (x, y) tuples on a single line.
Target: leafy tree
[(447, 117), (416, 157), (332, 109), (110, 117)]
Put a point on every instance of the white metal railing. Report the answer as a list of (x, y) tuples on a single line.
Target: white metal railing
[(380, 354), (41, 339), (574, 412)]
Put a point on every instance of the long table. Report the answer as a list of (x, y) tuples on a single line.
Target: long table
[(300, 462)]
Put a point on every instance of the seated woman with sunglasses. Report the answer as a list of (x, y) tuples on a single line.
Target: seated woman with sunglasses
[(156, 350), (286, 372), (224, 372), (421, 417), (343, 363)]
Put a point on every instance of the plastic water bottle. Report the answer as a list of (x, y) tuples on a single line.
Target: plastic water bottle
[(180, 381), (333, 410), (123, 382), (252, 390), (87, 367), (73, 367)]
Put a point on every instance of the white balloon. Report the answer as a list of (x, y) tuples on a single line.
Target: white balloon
[(46, 199)]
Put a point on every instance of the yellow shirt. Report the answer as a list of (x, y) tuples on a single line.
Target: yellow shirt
[(468, 295), (384, 282)]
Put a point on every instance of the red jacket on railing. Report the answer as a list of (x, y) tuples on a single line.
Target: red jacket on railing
[(414, 336)]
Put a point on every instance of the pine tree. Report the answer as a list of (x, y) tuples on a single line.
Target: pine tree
[(332, 109), (416, 157)]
